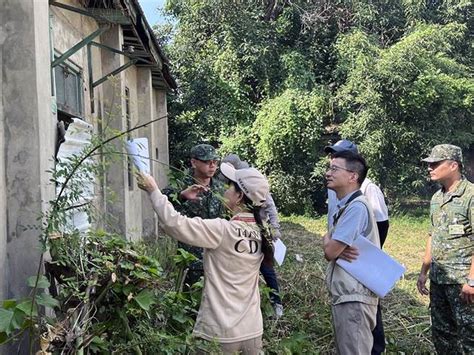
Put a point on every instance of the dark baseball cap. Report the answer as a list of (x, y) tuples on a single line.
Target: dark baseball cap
[(204, 152), (340, 146)]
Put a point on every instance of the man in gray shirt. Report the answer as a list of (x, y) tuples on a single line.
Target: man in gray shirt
[(376, 200), (353, 306)]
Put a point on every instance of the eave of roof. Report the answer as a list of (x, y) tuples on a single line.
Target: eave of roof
[(146, 36), (139, 36)]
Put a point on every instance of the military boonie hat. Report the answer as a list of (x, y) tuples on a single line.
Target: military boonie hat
[(444, 152), (340, 146), (204, 152)]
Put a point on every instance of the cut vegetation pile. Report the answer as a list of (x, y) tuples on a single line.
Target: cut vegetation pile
[(306, 324)]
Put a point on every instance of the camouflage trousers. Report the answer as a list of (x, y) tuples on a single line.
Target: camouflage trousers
[(452, 320)]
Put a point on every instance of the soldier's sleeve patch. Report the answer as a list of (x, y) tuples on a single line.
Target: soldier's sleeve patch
[(456, 229)]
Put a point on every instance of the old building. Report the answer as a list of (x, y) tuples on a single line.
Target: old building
[(56, 59)]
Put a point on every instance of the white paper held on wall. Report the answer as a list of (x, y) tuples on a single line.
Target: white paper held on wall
[(138, 149)]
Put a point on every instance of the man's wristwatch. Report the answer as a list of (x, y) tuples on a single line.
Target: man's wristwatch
[(470, 282)]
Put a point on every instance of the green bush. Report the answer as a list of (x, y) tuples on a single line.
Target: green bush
[(398, 102), (288, 129)]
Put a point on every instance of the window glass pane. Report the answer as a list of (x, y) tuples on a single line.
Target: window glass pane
[(68, 90), (59, 77)]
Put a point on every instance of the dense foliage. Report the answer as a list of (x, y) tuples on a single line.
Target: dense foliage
[(391, 75), (401, 100)]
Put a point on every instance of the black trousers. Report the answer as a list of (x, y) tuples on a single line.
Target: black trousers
[(378, 332), (269, 274)]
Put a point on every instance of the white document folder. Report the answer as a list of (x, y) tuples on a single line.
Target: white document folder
[(373, 268), (138, 150)]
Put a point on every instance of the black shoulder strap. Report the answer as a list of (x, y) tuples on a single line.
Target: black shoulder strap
[(343, 208)]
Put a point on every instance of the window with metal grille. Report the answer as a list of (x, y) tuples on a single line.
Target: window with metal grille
[(68, 78)]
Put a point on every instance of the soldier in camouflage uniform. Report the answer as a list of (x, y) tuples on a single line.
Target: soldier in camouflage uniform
[(449, 254), (204, 163)]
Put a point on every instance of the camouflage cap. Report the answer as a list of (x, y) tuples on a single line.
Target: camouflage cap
[(444, 152), (204, 152)]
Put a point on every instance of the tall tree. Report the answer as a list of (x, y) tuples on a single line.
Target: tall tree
[(384, 73), (398, 102)]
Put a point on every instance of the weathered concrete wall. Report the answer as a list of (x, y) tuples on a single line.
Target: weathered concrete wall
[(160, 132), (133, 201), (28, 128), (146, 113), (114, 116), (27, 137), (4, 28), (124, 205)]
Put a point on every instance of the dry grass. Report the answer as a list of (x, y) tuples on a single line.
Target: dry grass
[(306, 325)]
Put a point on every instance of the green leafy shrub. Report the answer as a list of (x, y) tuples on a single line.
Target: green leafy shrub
[(398, 102), (289, 129)]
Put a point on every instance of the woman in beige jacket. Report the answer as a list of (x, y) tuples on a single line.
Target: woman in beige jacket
[(233, 251)]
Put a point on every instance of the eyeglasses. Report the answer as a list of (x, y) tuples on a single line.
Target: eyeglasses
[(209, 162), (335, 168)]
